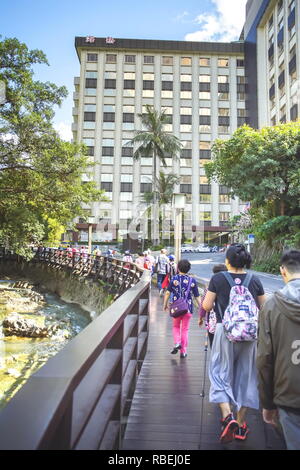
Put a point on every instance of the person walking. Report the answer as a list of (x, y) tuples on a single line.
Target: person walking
[(232, 369), (127, 259), (212, 316), (162, 270), (140, 260), (278, 357), (178, 287)]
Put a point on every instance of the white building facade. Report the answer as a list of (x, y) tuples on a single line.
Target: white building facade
[(202, 88), (272, 51)]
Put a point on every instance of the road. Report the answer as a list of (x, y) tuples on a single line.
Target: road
[(202, 264)]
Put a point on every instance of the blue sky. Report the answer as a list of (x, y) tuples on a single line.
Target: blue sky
[(51, 25)]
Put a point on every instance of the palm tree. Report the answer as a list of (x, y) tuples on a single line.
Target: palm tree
[(163, 189), (153, 141)]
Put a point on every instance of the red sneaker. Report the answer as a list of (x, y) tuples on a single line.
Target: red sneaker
[(229, 428), (242, 432)]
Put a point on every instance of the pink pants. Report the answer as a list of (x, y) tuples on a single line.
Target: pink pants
[(180, 330)]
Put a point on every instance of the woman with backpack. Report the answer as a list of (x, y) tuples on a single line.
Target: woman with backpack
[(182, 286), (232, 371)]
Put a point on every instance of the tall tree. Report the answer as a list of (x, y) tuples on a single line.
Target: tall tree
[(261, 166), (164, 188), (153, 141), (40, 174)]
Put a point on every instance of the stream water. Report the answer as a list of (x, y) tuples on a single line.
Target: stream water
[(20, 357)]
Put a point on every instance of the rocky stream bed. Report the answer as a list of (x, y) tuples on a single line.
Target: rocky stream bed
[(34, 325)]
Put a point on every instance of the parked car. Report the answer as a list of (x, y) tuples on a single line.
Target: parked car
[(187, 249), (202, 249)]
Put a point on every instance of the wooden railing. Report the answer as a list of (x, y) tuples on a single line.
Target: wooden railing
[(117, 275), (80, 398)]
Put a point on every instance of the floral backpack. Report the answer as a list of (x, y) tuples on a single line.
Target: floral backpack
[(240, 320)]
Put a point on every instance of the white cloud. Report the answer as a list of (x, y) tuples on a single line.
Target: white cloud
[(225, 25), (181, 16), (64, 131)]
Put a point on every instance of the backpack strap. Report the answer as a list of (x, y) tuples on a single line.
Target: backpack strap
[(245, 283), (228, 278), (247, 279), (188, 289)]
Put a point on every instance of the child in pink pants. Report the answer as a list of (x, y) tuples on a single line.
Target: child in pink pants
[(178, 288)]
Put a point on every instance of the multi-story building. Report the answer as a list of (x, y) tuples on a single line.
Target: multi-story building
[(202, 88), (272, 51), (207, 89)]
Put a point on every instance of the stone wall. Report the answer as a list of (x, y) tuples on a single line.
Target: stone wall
[(90, 295)]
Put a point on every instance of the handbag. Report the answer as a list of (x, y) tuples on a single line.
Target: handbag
[(180, 306)]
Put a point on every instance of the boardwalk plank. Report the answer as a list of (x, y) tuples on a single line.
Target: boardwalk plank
[(167, 407)]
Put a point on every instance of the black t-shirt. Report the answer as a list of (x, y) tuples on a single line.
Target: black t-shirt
[(220, 286)]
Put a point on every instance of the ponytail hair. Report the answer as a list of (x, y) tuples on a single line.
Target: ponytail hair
[(238, 256)]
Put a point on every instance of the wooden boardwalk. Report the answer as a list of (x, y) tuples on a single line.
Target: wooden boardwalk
[(167, 411)]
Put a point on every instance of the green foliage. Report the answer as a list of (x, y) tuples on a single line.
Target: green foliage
[(154, 140), (40, 174), (282, 230), (269, 264), (261, 166)]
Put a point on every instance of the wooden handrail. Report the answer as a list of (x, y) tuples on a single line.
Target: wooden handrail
[(80, 398)]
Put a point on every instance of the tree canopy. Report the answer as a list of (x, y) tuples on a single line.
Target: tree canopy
[(40, 174), (261, 166)]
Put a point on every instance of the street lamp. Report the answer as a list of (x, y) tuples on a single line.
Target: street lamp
[(91, 221), (179, 205)]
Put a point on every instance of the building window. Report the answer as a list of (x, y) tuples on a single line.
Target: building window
[(108, 117), (90, 108), (223, 79), (223, 129), (186, 61), (205, 198), (204, 78), (186, 163), (128, 117), (224, 218), (204, 61), (107, 151), (111, 58), (205, 215), (107, 160), (292, 5), (240, 63), (92, 57), (223, 62), (204, 95), (148, 84), (223, 96), (91, 74), (241, 112), (241, 96), (148, 59), (186, 95), (129, 59), (90, 91), (167, 60), (166, 94), (110, 83), (90, 151), (271, 22), (224, 198), (129, 84), (88, 116), (204, 111), (167, 86), (224, 111)]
